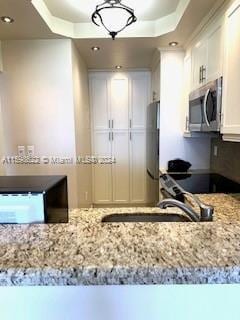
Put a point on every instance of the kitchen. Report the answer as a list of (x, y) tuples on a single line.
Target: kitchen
[(68, 91)]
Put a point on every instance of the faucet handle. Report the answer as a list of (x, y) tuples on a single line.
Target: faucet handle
[(207, 212)]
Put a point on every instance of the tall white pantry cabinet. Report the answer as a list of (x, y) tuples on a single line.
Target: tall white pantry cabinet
[(118, 115)]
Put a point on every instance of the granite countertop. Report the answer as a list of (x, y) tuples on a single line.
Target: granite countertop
[(87, 252)]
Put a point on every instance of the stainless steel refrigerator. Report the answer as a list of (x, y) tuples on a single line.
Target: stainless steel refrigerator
[(153, 130)]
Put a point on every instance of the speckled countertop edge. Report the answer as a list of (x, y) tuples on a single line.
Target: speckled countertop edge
[(85, 252)]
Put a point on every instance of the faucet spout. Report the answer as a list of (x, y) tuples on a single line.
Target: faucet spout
[(164, 204)]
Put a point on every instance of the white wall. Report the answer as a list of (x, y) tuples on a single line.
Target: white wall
[(37, 104), (172, 143), (82, 127)]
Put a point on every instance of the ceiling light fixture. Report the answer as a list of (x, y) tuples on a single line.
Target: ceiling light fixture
[(114, 16), (7, 19), (95, 48), (173, 44), (118, 67)]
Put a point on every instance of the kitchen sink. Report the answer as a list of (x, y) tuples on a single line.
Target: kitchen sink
[(143, 217)]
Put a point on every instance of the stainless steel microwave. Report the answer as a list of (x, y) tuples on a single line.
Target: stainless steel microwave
[(205, 106)]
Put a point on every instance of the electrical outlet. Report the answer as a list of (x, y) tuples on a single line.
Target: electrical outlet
[(215, 151), (30, 151), (21, 151)]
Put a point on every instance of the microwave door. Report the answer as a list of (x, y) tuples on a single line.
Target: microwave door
[(195, 114)]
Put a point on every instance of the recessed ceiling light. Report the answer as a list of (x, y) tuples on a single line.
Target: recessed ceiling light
[(173, 44), (7, 19), (95, 48), (118, 67)]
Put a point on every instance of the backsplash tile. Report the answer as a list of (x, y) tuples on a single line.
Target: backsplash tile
[(227, 160)]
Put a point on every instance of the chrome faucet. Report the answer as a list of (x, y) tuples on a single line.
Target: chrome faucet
[(206, 211), (164, 204)]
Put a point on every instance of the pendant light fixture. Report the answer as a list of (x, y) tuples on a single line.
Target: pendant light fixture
[(114, 16)]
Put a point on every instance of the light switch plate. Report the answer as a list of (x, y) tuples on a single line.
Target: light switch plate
[(30, 151), (21, 151)]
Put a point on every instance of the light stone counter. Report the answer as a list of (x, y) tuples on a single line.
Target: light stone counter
[(87, 252)]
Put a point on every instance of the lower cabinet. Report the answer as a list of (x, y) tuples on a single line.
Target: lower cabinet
[(124, 181), (138, 166), (120, 169), (102, 173)]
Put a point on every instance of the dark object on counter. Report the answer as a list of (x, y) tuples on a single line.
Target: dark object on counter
[(33, 199), (178, 165)]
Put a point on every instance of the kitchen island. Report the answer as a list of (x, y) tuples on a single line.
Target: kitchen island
[(88, 252)]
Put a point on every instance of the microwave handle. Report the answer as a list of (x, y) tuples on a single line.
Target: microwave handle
[(205, 107)]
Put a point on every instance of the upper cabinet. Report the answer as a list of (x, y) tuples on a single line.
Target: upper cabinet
[(199, 64), (100, 102), (139, 99), (231, 75), (119, 100), (207, 56)]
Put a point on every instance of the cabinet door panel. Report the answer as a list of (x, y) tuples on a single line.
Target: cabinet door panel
[(120, 150), (138, 166), (231, 75), (102, 173), (139, 101), (199, 59), (99, 101), (215, 56), (119, 103)]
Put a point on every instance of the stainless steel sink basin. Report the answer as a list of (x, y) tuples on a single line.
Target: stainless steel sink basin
[(143, 217)]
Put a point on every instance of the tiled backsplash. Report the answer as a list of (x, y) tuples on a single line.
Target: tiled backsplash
[(225, 158)]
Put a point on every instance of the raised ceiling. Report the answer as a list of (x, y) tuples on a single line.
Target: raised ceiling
[(133, 52), (72, 18), (80, 10)]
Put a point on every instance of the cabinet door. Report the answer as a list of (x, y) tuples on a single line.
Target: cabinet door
[(199, 60), (120, 170), (138, 166), (119, 102), (139, 97), (215, 52), (102, 173), (99, 103), (231, 74)]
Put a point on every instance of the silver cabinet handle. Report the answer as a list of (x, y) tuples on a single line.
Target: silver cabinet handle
[(130, 135), (109, 124), (200, 75), (130, 123), (109, 136), (112, 124), (112, 136), (203, 73)]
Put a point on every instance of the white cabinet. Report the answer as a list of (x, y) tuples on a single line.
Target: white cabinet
[(102, 174), (137, 165), (119, 97), (100, 103), (119, 103), (199, 60), (120, 170), (231, 75), (207, 55), (215, 51), (139, 99)]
